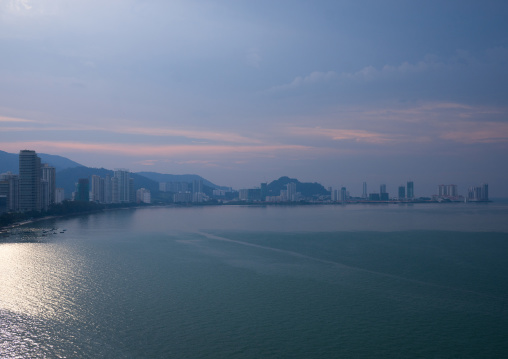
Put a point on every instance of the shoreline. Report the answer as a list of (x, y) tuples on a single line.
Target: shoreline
[(5, 229)]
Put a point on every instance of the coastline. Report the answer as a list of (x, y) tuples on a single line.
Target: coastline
[(6, 228)]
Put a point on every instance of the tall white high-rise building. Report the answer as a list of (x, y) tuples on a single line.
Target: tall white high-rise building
[(59, 195), (123, 186), (97, 189), (291, 192), (108, 191)]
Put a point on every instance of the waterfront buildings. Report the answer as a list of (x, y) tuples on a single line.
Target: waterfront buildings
[(29, 181), (82, 190), (402, 192), (9, 187), (116, 189), (449, 190), (97, 189), (188, 191), (410, 190), (291, 192), (143, 196), (59, 195), (122, 186), (478, 193), (49, 175), (343, 195), (33, 189), (383, 195)]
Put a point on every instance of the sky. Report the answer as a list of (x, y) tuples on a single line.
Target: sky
[(243, 92)]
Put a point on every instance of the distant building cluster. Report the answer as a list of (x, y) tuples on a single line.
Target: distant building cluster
[(404, 194), (34, 188), (184, 192), (118, 188), (288, 194), (478, 193)]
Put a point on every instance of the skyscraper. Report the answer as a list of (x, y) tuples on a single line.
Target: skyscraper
[(108, 191), (197, 186), (97, 190), (44, 194), (83, 190), (49, 175), (402, 192), (449, 190), (410, 190), (9, 187), (343, 194), (123, 188), (291, 191), (485, 192), (264, 191), (29, 181), (364, 193), (115, 193), (478, 193)]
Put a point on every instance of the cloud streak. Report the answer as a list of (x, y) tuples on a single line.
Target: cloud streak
[(158, 151), (314, 77), (360, 136), (13, 119), (474, 133), (190, 134), (367, 73)]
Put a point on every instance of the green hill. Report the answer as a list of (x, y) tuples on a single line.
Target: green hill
[(307, 189)]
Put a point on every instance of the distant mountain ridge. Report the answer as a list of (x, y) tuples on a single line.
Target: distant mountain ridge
[(9, 162), (69, 172), (161, 177)]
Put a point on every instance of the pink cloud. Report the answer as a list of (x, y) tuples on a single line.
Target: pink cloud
[(144, 150), (13, 119), (345, 135), (192, 134)]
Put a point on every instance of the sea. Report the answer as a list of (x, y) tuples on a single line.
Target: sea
[(309, 281)]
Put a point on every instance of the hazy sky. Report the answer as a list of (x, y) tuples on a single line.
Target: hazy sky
[(243, 92)]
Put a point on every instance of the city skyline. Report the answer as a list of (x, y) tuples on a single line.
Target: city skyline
[(48, 175), (338, 93), (119, 188)]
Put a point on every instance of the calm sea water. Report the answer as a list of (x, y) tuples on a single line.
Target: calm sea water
[(355, 281)]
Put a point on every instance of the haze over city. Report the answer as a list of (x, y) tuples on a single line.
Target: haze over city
[(336, 92)]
